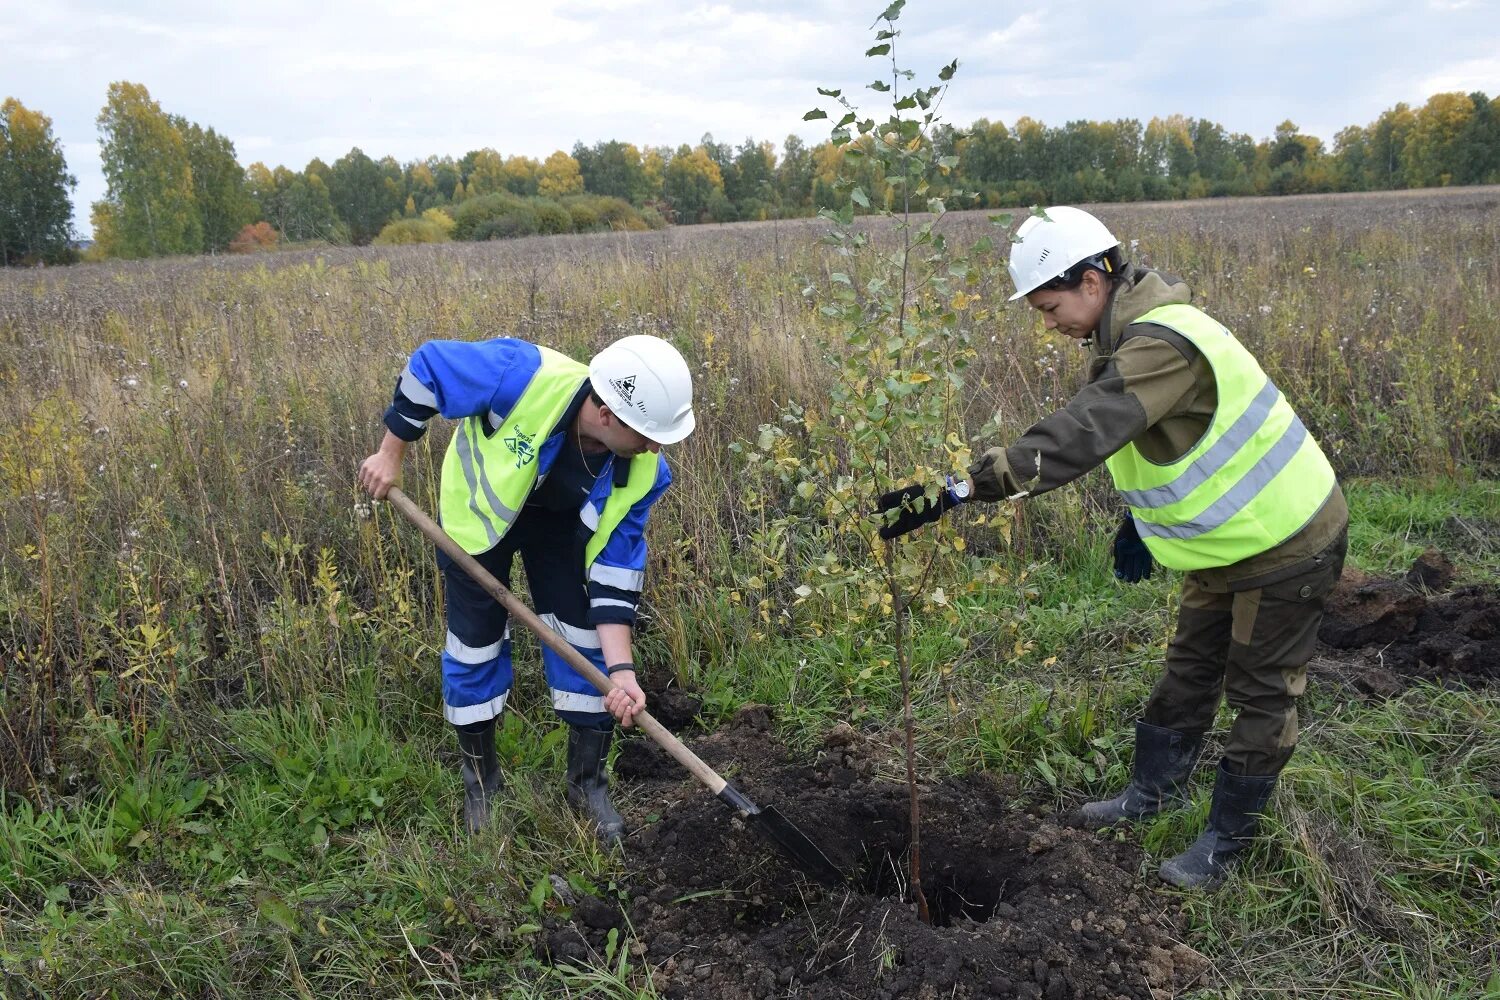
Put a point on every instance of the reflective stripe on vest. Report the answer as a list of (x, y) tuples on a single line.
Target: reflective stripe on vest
[(1251, 482)]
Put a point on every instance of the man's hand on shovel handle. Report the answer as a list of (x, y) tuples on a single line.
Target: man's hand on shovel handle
[(382, 470), (626, 699)]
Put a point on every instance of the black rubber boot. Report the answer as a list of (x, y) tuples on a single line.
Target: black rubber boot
[(588, 784), (481, 771), (1239, 799), (1164, 761)]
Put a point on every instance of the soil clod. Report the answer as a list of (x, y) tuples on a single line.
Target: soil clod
[(1384, 635)]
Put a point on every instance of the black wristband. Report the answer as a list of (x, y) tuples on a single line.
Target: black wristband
[(616, 668)]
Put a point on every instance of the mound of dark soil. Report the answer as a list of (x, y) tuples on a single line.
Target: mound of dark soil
[(1022, 907), (1384, 635), (671, 705)]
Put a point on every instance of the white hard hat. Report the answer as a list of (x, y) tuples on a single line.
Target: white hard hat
[(646, 383), (1046, 246)]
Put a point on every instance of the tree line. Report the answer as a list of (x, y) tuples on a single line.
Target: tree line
[(176, 187)]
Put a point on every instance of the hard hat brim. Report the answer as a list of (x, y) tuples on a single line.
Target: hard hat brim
[(672, 435)]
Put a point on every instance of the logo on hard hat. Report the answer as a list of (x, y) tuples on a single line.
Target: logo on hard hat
[(520, 446), (625, 387)]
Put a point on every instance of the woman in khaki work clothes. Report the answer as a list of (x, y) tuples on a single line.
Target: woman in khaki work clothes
[(1222, 481)]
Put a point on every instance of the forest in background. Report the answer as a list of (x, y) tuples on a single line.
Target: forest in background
[(177, 187)]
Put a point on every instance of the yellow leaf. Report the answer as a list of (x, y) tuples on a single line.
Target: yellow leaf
[(918, 378)]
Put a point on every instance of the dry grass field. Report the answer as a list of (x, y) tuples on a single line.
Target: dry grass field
[(222, 756)]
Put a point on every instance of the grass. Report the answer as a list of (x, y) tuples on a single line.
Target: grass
[(1397, 522), (222, 754)]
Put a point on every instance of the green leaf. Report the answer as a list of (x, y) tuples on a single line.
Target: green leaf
[(936, 206), (274, 909), (814, 115), (879, 50), (540, 890), (905, 103), (950, 161), (946, 73), (885, 33), (1045, 770), (892, 12), (880, 85), (278, 852), (859, 197), (829, 93), (847, 120)]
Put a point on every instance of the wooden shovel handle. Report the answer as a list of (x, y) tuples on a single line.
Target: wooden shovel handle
[(555, 642)]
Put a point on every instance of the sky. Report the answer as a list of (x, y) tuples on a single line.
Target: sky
[(289, 81)]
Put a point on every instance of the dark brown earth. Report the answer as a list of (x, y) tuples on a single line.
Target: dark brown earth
[(1382, 636), (1022, 906)]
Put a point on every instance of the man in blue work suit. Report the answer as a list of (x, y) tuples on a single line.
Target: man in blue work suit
[(557, 461)]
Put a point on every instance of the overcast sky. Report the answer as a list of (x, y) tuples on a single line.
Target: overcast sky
[(288, 81)]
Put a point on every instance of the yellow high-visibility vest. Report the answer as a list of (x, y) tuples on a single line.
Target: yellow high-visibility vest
[(487, 476), (1253, 480)]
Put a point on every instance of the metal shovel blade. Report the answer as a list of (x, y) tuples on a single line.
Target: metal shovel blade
[(795, 844)]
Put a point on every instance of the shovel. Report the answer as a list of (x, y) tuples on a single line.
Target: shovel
[(765, 819)]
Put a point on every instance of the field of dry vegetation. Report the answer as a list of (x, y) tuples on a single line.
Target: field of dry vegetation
[(222, 757)]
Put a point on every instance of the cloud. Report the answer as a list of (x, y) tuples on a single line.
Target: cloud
[(1470, 75), (1025, 29)]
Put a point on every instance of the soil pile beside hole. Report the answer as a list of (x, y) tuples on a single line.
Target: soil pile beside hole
[(1383, 635), (1023, 907), (671, 705)]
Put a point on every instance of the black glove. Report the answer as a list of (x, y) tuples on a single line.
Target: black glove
[(916, 507), (1132, 559)]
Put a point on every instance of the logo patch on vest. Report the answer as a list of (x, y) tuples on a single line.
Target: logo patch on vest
[(625, 387), (520, 446)]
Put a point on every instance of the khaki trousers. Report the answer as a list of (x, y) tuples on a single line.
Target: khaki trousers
[(1251, 647)]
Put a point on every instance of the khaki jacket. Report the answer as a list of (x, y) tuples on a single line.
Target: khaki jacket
[(1151, 386)]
